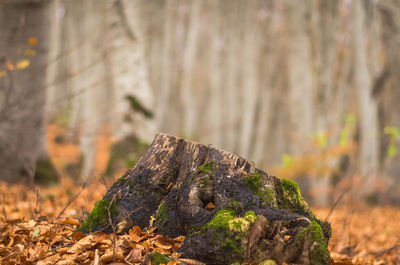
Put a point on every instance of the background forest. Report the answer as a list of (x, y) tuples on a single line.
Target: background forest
[(307, 89)]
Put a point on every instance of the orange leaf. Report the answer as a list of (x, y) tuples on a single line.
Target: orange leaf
[(135, 234), (210, 206), (71, 221), (76, 236)]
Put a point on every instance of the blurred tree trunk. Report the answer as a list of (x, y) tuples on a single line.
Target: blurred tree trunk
[(23, 151), (388, 92), (367, 104)]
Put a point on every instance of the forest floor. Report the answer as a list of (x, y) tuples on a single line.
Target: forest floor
[(37, 225)]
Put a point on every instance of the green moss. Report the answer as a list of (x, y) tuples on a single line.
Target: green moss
[(130, 163), (236, 206), (301, 235), (98, 217), (253, 182), (267, 195), (230, 228), (291, 196), (236, 263), (121, 180), (157, 258), (319, 253), (319, 246), (45, 172), (221, 220), (161, 215), (234, 245), (206, 167)]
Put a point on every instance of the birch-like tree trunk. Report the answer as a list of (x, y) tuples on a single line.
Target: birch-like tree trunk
[(24, 37)]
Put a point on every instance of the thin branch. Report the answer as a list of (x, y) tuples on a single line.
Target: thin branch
[(49, 246), (336, 203), (37, 203), (113, 227), (4, 207), (71, 200), (104, 181)]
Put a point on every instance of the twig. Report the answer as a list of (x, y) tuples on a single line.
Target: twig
[(336, 203), (49, 246), (37, 203), (4, 207), (104, 181), (71, 200), (113, 227)]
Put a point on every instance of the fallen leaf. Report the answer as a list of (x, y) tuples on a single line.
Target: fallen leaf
[(109, 255), (135, 255), (135, 234), (71, 221), (210, 206), (76, 236), (81, 245)]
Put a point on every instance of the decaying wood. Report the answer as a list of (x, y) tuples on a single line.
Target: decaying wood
[(255, 216)]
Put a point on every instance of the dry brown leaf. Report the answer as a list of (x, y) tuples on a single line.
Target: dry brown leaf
[(96, 257), (81, 245), (135, 255), (76, 236), (179, 239), (110, 256), (71, 221)]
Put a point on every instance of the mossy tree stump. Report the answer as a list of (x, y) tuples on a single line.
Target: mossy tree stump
[(227, 208)]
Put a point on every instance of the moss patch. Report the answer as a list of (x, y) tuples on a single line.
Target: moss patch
[(157, 258), (319, 246), (253, 182), (267, 195), (292, 199), (206, 167), (230, 228), (320, 253), (98, 217), (236, 206), (161, 214)]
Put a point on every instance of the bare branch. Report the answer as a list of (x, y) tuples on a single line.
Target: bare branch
[(71, 200)]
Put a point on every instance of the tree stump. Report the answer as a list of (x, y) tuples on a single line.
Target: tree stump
[(227, 208)]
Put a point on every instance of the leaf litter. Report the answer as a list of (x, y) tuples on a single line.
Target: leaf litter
[(32, 233)]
